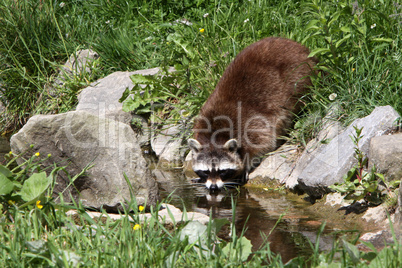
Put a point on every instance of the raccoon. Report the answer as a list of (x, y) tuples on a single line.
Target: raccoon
[(252, 105)]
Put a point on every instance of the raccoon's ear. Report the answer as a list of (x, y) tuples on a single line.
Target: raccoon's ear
[(194, 145), (231, 145)]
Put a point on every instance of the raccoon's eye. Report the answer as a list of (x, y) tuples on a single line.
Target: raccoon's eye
[(226, 173)]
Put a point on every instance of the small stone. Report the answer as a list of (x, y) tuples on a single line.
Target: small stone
[(375, 214)]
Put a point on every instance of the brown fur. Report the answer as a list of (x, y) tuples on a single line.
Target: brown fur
[(251, 106), (266, 81)]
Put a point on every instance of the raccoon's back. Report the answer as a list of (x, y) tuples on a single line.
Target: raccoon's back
[(265, 79), (266, 73)]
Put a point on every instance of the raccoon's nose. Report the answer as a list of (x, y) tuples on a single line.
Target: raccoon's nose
[(214, 187)]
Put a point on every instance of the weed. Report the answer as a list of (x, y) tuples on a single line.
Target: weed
[(362, 185)]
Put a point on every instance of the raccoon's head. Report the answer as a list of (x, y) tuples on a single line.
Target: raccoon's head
[(218, 167)]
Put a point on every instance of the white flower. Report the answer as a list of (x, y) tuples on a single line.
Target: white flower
[(246, 20), (206, 15), (62, 4), (332, 96), (107, 22), (373, 26)]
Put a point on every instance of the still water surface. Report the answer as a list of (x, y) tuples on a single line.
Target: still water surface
[(257, 210)]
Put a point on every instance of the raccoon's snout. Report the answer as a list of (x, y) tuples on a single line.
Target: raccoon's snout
[(214, 185)]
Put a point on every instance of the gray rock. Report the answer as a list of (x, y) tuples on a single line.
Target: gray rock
[(78, 139), (168, 214), (277, 165), (188, 163), (336, 199), (75, 65), (378, 239), (285, 164), (102, 99), (330, 129), (167, 145), (376, 214), (79, 63), (386, 155), (331, 161)]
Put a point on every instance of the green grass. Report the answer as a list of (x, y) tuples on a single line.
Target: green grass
[(358, 46), (47, 237), (36, 231)]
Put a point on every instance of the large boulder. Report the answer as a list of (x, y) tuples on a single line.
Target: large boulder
[(329, 131), (286, 163), (78, 139), (333, 160), (102, 99)]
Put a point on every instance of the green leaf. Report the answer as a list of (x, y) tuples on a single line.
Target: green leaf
[(312, 25), (384, 258), (217, 224), (388, 40), (67, 258), (36, 185), (345, 29), (130, 105), (337, 44), (242, 247), (142, 79), (392, 184), (194, 231), (5, 171), (318, 51), (6, 185), (352, 251), (335, 17), (125, 95)]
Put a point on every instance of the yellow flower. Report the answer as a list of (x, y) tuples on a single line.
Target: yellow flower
[(202, 30), (11, 202), (38, 205), (137, 227), (11, 153), (37, 154), (141, 208), (353, 69)]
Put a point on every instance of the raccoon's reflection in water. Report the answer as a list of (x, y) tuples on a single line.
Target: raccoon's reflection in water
[(257, 219)]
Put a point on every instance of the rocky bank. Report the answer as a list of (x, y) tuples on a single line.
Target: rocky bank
[(101, 134)]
